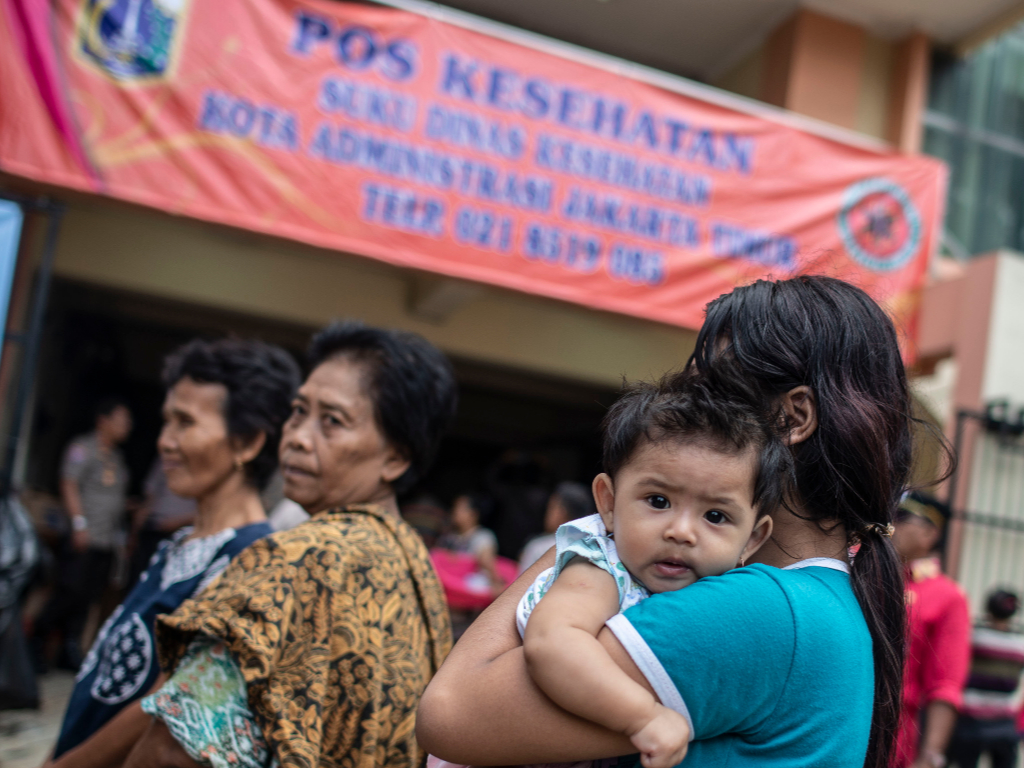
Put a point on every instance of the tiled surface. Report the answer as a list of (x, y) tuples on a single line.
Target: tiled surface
[(27, 736)]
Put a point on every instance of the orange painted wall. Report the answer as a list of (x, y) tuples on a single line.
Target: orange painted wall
[(814, 66), (826, 68)]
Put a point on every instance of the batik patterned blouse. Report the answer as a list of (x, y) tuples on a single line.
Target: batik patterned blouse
[(337, 626)]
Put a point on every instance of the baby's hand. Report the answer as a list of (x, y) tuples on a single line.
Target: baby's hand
[(663, 741)]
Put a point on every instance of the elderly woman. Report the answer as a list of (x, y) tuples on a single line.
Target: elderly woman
[(226, 403), (314, 646)]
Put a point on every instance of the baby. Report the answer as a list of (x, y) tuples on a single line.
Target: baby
[(685, 494)]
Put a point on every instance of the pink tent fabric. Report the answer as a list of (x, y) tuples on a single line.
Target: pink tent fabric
[(464, 587)]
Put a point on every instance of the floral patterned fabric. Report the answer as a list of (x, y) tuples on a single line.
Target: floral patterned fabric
[(204, 707), (336, 625), (587, 538)]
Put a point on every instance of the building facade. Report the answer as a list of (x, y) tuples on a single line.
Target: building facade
[(132, 282)]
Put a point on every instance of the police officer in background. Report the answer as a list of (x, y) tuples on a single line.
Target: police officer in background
[(93, 487)]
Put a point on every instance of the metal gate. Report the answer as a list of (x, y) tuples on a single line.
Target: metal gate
[(991, 544)]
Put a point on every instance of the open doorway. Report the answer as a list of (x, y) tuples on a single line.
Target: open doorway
[(514, 428)]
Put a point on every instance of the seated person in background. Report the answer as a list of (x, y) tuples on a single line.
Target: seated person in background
[(569, 501), (992, 698), (427, 517), (469, 537)]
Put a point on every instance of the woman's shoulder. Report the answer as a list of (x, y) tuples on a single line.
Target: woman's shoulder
[(815, 571), (350, 534), (326, 548), (810, 584), (247, 534), (182, 561), (344, 524), (822, 602), (801, 598)]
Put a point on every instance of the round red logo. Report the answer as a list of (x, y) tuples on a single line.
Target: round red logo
[(879, 224)]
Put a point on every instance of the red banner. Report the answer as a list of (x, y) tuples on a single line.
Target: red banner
[(393, 136)]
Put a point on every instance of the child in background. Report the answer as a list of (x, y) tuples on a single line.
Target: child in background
[(470, 537), (688, 484), (569, 501), (992, 699)]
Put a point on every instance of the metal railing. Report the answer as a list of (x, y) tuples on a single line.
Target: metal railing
[(992, 515)]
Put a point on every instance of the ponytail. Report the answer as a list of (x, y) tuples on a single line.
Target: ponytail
[(877, 581)]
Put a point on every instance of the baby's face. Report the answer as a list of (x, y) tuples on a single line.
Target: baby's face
[(682, 511)]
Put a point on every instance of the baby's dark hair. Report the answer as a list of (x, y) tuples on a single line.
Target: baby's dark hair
[(683, 408)]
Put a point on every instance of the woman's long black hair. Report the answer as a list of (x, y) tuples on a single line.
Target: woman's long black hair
[(764, 339)]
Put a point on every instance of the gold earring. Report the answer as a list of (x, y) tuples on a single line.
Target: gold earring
[(239, 464)]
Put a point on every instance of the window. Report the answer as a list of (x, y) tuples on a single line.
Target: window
[(975, 122)]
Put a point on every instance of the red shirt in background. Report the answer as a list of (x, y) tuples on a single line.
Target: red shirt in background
[(939, 652)]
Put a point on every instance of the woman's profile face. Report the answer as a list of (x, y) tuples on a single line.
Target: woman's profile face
[(194, 445), (332, 452)]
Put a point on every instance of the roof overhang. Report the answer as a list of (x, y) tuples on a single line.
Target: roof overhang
[(703, 39)]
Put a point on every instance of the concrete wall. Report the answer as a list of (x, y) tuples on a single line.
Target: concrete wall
[(1004, 363), (834, 71), (745, 78), (875, 88), (976, 319), (149, 253)]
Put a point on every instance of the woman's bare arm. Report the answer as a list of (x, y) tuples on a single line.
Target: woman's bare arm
[(482, 708), (158, 749), (111, 744), (567, 662)]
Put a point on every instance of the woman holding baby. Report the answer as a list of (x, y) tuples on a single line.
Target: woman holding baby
[(784, 650)]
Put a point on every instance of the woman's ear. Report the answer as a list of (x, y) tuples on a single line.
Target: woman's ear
[(246, 451), (394, 466), (761, 533), (604, 497), (801, 412)]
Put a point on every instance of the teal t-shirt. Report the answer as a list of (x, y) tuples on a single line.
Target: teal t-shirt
[(772, 667)]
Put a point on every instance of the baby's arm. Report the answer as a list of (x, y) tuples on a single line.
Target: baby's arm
[(568, 663)]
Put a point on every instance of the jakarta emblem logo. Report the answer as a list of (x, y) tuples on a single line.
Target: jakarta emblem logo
[(879, 224), (130, 39)]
